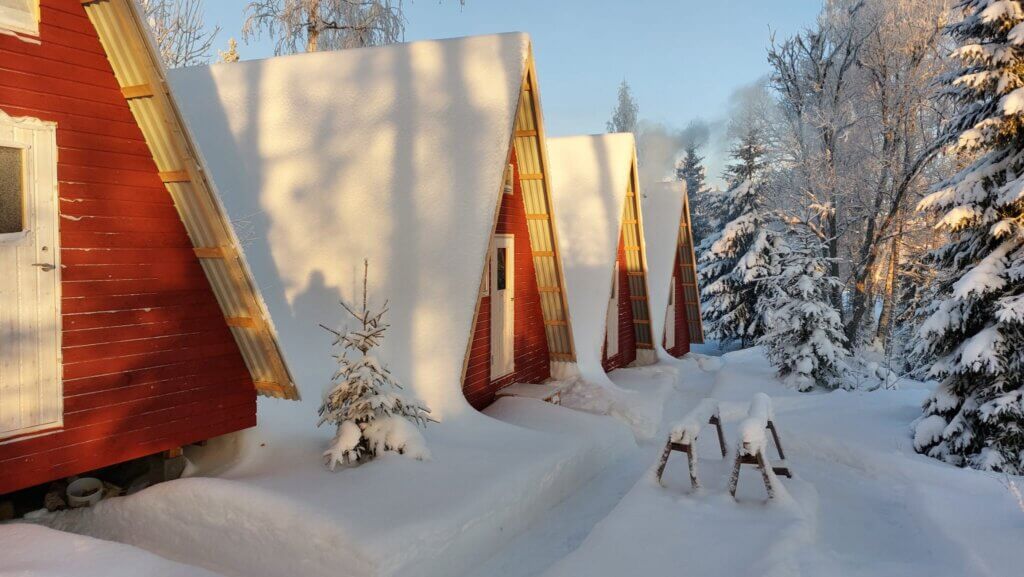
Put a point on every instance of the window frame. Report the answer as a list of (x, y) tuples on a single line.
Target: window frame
[(25, 228), (21, 23)]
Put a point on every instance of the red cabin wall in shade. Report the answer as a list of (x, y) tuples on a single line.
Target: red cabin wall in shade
[(627, 335), (682, 344)]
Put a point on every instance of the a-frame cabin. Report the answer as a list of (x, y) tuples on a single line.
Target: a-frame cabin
[(673, 270), (596, 193), (129, 324), (425, 158)]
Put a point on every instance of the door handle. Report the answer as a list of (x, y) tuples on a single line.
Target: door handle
[(45, 266)]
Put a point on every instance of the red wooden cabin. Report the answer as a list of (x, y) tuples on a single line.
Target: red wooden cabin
[(129, 324)]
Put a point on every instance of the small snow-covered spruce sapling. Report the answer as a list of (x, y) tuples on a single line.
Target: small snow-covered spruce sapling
[(804, 338), (365, 402), (975, 332)]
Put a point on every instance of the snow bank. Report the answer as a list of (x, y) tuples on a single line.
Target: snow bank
[(277, 511), (395, 154), (663, 208), (35, 551)]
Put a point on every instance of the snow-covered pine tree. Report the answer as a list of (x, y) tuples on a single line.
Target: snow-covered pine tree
[(733, 258), (625, 115), (365, 404), (804, 337), (691, 170), (975, 417)]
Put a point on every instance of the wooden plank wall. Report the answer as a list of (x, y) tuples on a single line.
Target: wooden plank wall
[(624, 318), (636, 266), (149, 361), (530, 353), (688, 277)]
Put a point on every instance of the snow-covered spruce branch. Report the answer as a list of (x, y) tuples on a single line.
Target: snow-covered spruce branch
[(365, 403)]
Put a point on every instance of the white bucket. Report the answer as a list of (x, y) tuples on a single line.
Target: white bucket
[(85, 492)]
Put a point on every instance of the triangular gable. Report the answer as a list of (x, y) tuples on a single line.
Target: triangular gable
[(688, 267), (667, 227), (592, 180), (394, 154), (141, 77)]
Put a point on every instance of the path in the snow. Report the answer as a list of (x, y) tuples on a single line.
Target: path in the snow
[(862, 503), (566, 526)]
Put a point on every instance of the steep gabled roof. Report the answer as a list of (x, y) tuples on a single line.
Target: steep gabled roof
[(663, 203), (590, 177), (668, 231), (138, 70), (394, 154)]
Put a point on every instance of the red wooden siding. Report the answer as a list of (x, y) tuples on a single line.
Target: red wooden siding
[(682, 345), (532, 362), (627, 334), (149, 363)]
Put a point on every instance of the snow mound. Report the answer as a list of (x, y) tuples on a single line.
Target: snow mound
[(688, 429), (277, 511), (35, 551)]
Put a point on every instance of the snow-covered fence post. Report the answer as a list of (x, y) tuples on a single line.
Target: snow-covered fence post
[(365, 404)]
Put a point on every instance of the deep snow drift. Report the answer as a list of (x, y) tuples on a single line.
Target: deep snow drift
[(275, 510), (34, 551)]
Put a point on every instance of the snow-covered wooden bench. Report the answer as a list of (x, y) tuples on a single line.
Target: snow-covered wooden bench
[(684, 434), (753, 444), (548, 392)]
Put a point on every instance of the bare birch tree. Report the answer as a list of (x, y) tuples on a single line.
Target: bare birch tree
[(180, 31), (315, 25)]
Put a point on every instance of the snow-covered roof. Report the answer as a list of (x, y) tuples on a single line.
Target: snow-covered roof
[(589, 179), (663, 209), (394, 154)]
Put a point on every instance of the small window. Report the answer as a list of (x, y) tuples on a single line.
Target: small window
[(509, 179), (12, 189), (20, 16), (500, 258)]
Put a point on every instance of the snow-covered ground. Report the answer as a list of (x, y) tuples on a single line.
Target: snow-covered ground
[(568, 494), (34, 551)]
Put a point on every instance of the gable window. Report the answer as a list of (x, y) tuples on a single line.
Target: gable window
[(12, 190), (20, 16)]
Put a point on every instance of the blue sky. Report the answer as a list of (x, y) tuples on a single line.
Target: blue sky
[(683, 58)]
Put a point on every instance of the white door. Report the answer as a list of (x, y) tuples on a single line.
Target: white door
[(611, 326), (502, 306), (670, 316), (30, 381)]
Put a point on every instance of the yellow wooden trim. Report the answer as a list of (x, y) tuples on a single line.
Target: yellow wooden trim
[(137, 91), (548, 289), (635, 273), (271, 389), (170, 176), (538, 217), (241, 322), (632, 248), (526, 133), (531, 176), (556, 323), (211, 252), (543, 253)]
